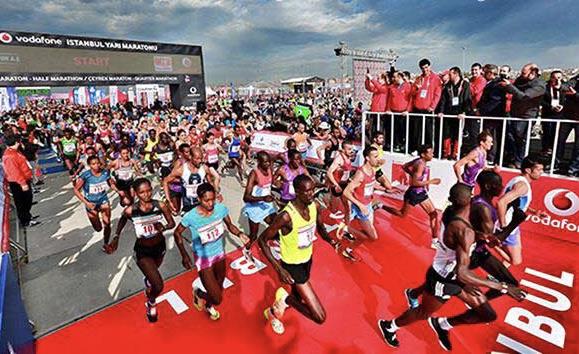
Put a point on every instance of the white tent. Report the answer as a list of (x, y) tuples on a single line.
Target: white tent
[(209, 91)]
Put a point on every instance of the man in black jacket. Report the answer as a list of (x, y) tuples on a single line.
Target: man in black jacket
[(527, 90), (455, 99), (570, 111), (552, 108), (493, 103)]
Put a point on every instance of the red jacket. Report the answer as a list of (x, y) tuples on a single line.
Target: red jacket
[(16, 168), (379, 95), (477, 86), (433, 88), (399, 98)]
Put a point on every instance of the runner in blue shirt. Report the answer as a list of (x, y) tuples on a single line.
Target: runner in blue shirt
[(207, 223)]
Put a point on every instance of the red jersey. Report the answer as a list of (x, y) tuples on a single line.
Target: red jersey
[(399, 98), (365, 191), (426, 92)]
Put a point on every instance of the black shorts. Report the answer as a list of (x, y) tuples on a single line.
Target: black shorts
[(123, 185), (214, 165), (154, 252), (441, 288), (414, 197), (479, 255), (164, 171), (299, 272)]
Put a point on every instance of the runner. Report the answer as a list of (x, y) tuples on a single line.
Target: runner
[(330, 147), (192, 174), (296, 226), (95, 183), (176, 185), (147, 217), (88, 143), (468, 168), (360, 192), (69, 150), (378, 143), (259, 206), (417, 193), (290, 144), (124, 170), (449, 276), (337, 179), (236, 156), (302, 139), (207, 224), (483, 218), (286, 174), (164, 156), (518, 194), (212, 151), (150, 142)]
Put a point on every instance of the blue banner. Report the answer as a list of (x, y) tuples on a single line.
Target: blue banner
[(75, 95), (12, 97), (92, 94), (16, 334)]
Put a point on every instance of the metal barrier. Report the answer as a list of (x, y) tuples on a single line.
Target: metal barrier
[(437, 141)]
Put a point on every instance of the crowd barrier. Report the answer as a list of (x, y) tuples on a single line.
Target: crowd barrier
[(15, 330)]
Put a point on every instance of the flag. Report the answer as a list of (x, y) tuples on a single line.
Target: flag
[(304, 111)]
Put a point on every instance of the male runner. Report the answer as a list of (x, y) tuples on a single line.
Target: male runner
[(468, 168), (296, 226), (450, 276), (518, 194)]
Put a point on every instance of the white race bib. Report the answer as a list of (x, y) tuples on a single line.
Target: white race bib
[(125, 174), (345, 176), (455, 101), (369, 189), (191, 190), (303, 147), (262, 191), (145, 225), (306, 235), (291, 189), (423, 93), (69, 148), (234, 149), (166, 157), (212, 158), (98, 188), (105, 140), (211, 232)]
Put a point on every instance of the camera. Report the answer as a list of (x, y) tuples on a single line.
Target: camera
[(503, 76)]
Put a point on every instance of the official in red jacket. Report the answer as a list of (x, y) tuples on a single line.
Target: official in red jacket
[(399, 104), (379, 89), (425, 96)]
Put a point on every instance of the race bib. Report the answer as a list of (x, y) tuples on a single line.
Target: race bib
[(191, 190), (345, 176), (369, 189), (234, 149), (106, 140), (69, 148), (145, 225), (166, 157), (262, 191), (306, 235), (125, 174), (333, 154), (423, 93), (455, 101), (212, 158), (303, 147), (98, 188), (211, 232)]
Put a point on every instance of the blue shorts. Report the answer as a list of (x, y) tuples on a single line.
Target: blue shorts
[(356, 213), (514, 239), (99, 203), (258, 212)]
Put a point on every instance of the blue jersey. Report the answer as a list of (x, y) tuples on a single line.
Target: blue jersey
[(207, 233), (234, 147), (95, 187)]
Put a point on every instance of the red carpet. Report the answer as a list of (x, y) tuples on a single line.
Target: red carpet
[(354, 296)]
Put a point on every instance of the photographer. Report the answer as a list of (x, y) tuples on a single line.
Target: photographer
[(552, 108), (527, 90), (493, 103), (570, 111)]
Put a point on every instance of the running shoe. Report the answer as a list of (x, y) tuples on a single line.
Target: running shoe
[(388, 335), (442, 334), (412, 301), (377, 205), (151, 311), (348, 236), (248, 255), (147, 286), (347, 252), (276, 324), (213, 313), (434, 244)]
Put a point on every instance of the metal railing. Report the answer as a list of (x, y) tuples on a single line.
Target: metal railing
[(18, 243), (437, 123)]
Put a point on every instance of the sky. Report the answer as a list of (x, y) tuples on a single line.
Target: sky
[(278, 39)]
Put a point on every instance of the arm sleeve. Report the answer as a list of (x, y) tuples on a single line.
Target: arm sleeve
[(534, 91)]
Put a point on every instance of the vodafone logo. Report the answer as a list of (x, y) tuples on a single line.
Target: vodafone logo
[(5, 37), (562, 202), (193, 90)]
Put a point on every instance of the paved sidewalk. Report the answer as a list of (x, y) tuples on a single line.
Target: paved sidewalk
[(68, 275)]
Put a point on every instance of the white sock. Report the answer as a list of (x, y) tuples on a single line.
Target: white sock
[(443, 322), (393, 327)]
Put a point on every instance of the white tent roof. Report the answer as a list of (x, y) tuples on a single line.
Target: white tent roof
[(209, 91)]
